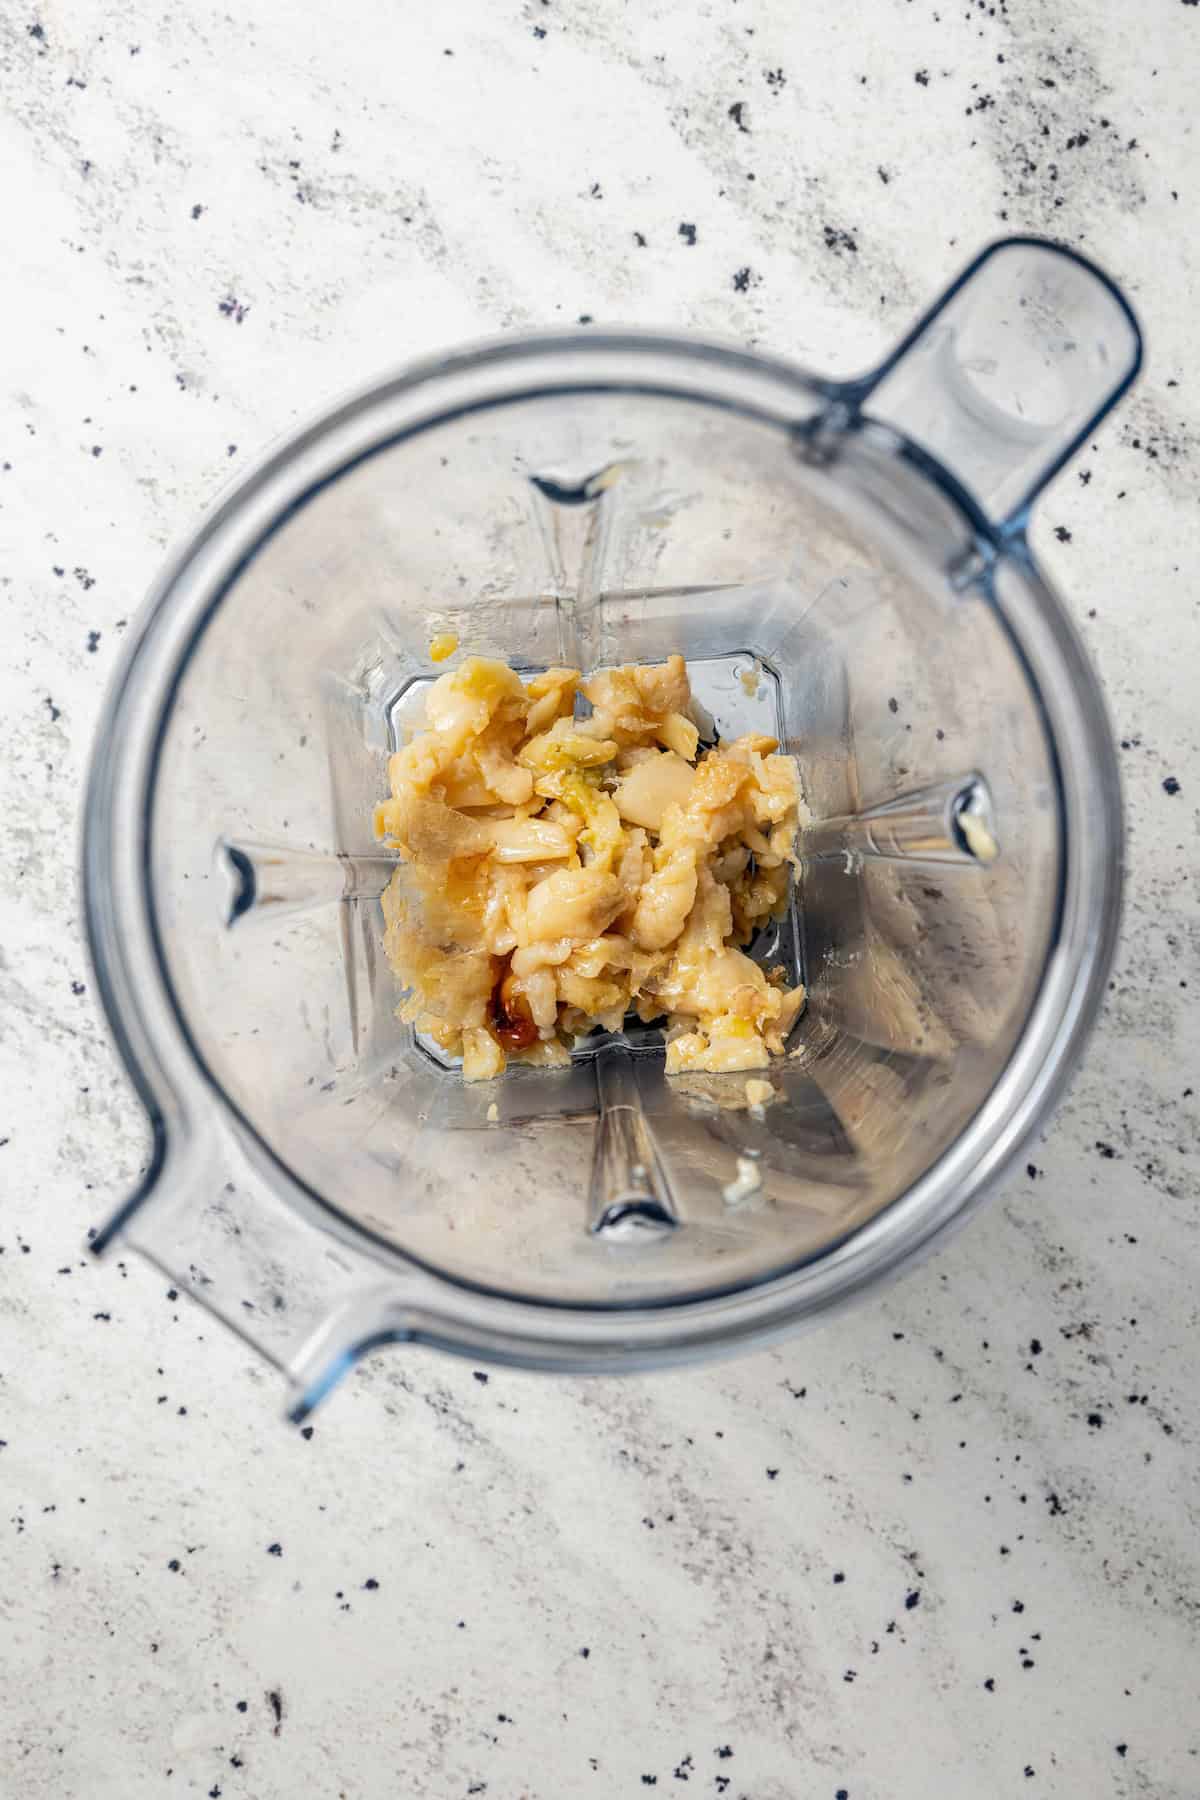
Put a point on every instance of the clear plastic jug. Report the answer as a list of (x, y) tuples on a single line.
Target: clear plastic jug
[(844, 566)]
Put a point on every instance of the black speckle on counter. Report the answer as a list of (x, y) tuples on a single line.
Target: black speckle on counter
[(93, 642), (232, 308), (912, 1598), (274, 1549), (1062, 534), (1095, 1420), (243, 1706), (639, 240), (649, 1780), (838, 1577), (1035, 1346), (990, 1684), (1106, 1150), (775, 79), (687, 233), (370, 1584), (480, 1376), (771, 1474), (744, 279), (175, 1565), (839, 240), (737, 112), (893, 704), (306, 1432), (1121, 1749), (275, 1702), (922, 77), (723, 1752), (1170, 785), (585, 1652)]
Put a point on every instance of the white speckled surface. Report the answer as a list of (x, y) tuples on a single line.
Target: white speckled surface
[(949, 1545)]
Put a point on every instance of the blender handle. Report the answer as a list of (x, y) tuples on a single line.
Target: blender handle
[(1005, 376)]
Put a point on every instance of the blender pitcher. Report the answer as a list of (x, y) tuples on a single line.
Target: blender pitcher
[(844, 566)]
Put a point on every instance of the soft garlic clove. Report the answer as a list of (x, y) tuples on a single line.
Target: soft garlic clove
[(528, 840), (679, 734), (653, 784)]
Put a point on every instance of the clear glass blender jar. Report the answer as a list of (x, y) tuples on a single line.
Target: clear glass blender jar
[(844, 565)]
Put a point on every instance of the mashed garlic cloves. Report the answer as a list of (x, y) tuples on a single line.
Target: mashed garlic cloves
[(556, 873)]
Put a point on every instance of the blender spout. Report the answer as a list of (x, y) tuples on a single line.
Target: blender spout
[(949, 823), (630, 1197), (255, 1252)]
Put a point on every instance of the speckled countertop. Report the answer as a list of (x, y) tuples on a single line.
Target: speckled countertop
[(949, 1545)]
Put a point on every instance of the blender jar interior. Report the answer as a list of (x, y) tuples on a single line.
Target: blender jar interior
[(818, 590)]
